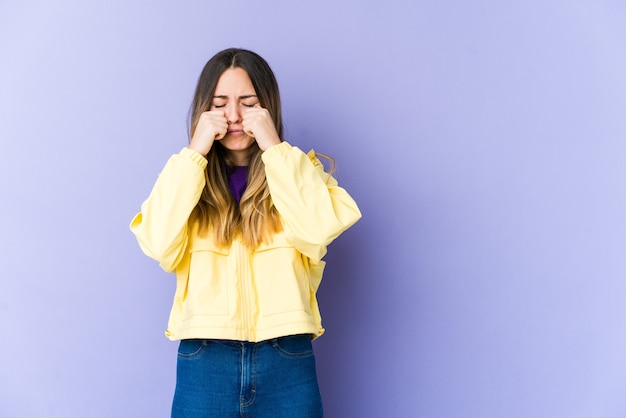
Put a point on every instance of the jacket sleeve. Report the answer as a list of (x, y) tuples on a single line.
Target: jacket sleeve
[(313, 208), (161, 226)]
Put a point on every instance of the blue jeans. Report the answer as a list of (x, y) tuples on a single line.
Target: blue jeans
[(274, 378)]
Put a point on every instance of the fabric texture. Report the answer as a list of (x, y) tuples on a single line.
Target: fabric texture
[(274, 378), (234, 293), (237, 181)]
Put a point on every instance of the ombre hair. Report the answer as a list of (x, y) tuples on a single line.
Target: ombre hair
[(255, 218)]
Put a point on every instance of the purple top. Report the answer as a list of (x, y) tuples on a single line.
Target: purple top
[(237, 180)]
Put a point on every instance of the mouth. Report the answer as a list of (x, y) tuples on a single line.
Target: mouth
[(235, 132)]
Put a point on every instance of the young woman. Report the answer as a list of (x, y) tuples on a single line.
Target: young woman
[(244, 219)]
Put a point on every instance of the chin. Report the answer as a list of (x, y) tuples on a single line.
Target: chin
[(238, 144)]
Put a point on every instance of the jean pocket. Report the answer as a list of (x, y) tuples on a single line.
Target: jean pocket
[(294, 346), (191, 348)]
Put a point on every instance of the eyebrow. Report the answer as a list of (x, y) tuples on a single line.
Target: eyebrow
[(247, 96)]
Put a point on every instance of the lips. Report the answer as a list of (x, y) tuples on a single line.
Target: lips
[(235, 132)]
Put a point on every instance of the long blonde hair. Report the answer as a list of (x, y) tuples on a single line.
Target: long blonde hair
[(255, 218)]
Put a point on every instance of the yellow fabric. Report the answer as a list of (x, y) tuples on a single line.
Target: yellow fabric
[(233, 293)]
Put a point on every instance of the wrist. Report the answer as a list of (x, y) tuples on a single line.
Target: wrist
[(264, 145), (202, 150)]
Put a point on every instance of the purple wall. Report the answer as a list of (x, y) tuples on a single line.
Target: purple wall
[(486, 146)]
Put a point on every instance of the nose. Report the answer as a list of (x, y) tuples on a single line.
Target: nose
[(233, 113)]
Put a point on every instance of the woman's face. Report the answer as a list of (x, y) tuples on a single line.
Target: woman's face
[(234, 94)]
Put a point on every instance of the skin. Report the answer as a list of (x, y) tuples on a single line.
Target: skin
[(236, 119)]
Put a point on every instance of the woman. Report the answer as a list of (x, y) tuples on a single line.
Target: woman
[(244, 219)]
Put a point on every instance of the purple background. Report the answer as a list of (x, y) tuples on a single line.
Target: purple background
[(484, 141)]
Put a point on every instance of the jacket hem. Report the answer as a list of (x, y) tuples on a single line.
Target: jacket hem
[(242, 335)]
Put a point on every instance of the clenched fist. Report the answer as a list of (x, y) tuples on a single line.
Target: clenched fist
[(258, 123), (212, 125)]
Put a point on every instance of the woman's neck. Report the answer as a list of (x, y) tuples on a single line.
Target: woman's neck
[(239, 158)]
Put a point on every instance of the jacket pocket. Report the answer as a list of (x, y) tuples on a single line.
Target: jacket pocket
[(282, 279), (208, 285)]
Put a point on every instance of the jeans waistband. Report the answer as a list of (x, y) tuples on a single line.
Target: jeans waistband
[(250, 343)]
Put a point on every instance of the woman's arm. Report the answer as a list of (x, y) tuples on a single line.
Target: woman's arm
[(161, 226), (313, 208)]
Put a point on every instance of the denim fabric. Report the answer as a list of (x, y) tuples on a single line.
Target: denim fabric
[(274, 378)]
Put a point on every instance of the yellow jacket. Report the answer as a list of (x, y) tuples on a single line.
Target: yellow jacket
[(234, 293)]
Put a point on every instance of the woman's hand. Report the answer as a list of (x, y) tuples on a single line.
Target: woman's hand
[(258, 124), (212, 125)]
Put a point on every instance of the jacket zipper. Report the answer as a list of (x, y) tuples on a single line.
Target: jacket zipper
[(244, 275)]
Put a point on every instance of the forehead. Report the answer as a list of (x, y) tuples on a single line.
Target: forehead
[(234, 81)]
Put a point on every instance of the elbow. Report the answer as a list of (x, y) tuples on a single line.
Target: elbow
[(167, 256)]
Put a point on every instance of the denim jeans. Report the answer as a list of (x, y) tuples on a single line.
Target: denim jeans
[(274, 378)]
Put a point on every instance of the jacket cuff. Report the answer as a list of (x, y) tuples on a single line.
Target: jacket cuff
[(277, 150), (195, 156)]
